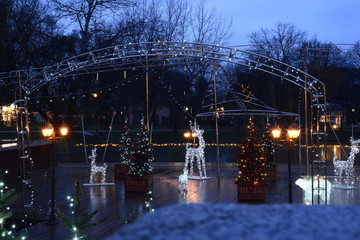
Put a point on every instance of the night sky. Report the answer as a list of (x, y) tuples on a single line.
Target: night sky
[(336, 21)]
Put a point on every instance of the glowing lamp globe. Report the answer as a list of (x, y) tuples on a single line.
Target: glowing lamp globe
[(293, 133), (193, 134), (276, 133), (187, 134), (64, 131), (47, 132)]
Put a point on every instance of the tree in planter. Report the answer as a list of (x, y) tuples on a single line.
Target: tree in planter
[(251, 160), (269, 146), (142, 158), (125, 149), (79, 224), (7, 198)]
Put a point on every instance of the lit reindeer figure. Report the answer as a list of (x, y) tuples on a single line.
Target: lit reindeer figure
[(347, 166), (97, 169), (183, 182), (193, 153)]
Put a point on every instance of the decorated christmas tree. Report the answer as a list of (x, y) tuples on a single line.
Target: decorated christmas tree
[(269, 146), (142, 158), (7, 198), (251, 160), (125, 148)]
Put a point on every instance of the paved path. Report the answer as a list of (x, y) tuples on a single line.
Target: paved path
[(116, 207)]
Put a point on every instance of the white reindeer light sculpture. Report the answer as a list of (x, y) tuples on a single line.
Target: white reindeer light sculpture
[(183, 182), (347, 167), (196, 153), (97, 169)]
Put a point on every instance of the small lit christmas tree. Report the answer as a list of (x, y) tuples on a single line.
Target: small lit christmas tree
[(251, 160), (140, 163), (78, 224), (7, 198), (125, 149), (269, 146)]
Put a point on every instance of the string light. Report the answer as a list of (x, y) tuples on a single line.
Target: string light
[(252, 160), (140, 163)]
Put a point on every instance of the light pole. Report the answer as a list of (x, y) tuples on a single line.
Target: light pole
[(49, 133), (291, 136)]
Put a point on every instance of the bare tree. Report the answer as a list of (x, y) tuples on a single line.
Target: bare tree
[(278, 43), (84, 15), (316, 56), (354, 55), (175, 20), (26, 29), (208, 26)]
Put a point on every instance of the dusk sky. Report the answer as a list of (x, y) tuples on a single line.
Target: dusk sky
[(336, 21)]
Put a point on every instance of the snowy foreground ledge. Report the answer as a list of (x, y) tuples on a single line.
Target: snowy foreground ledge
[(242, 221)]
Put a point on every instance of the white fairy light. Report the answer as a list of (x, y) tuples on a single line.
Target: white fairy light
[(97, 169), (183, 182), (193, 153), (347, 166)]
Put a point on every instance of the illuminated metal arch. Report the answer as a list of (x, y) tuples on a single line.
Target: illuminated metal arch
[(119, 56), (122, 56), (165, 53), (112, 58)]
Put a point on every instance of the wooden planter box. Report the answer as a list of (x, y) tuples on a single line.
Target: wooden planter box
[(250, 191), (271, 174), (120, 170), (138, 184)]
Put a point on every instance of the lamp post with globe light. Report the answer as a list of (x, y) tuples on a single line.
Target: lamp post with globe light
[(49, 134), (290, 137)]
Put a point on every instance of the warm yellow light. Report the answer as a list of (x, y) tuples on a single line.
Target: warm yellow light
[(293, 133), (187, 134), (193, 134), (276, 133), (335, 126), (95, 95), (64, 131), (47, 132)]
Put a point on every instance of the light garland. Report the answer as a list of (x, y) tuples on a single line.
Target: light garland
[(125, 146), (142, 153), (251, 160), (7, 198), (97, 169), (148, 204), (196, 154), (184, 109)]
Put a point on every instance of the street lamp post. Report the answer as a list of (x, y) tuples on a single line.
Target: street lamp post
[(291, 136), (49, 133)]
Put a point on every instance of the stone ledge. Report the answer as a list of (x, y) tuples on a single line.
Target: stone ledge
[(243, 221)]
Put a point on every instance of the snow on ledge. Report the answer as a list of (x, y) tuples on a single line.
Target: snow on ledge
[(244, 221)]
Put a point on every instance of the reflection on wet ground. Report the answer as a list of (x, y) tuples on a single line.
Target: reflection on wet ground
[(115, 206)]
